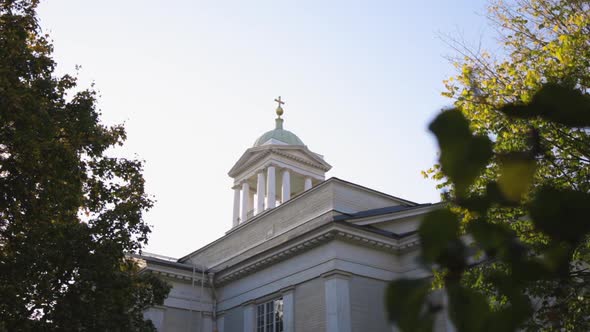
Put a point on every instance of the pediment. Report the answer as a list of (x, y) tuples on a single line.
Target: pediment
[(299, 154)]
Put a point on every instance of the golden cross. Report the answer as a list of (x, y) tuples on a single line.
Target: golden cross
[(278, 100)]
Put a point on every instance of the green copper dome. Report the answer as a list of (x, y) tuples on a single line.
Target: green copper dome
[(279, 134)]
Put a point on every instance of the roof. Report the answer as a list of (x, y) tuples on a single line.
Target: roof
[(166, 262), (279, 134), (405, 204), (380, 211)]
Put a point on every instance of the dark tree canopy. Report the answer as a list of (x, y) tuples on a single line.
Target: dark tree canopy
[(69, 213), (515, 161)]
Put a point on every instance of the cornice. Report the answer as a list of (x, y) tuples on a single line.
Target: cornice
[(268, 260), (351, 235), (336, 274), (174, 275)]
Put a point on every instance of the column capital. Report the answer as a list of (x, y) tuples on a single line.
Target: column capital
[(287, 290), (249, 303), (336, 274)]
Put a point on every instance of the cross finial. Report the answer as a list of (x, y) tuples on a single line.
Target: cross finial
[(279, 108)]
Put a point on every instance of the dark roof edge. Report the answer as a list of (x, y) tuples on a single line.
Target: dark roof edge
[(384, 211), (177, 265)]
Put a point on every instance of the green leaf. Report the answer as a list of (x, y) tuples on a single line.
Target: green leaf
[(407, 307), (556, 103), (468, 309), (491, 237), (463, 156), (561, 213), (440, 242), (516, 175)]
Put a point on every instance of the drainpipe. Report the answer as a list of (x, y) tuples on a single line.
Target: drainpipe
[(214, 298)]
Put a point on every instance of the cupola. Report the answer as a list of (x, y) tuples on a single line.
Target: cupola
[(277, 168)]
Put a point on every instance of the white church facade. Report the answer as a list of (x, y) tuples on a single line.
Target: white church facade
[(304, 253)]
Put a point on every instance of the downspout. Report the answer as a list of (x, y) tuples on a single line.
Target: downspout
[(190, 308), (214, 298)]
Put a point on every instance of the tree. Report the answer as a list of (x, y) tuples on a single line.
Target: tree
[(69, 213), (535, 285), (520, 156)]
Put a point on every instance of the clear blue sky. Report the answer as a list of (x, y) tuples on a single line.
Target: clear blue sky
[(194, 82)]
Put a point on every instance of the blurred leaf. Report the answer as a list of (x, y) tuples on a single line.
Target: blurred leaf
[(556, 258), (556, 103), (468, 309), (516, 175), (437, 232), (475, 202), (463, 156), (561, 213), (490, 237), (407, 307)]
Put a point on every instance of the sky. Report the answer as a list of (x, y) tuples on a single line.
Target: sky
[(194, 84)]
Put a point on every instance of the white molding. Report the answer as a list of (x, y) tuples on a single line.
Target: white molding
[(334, 231), (254, 155)]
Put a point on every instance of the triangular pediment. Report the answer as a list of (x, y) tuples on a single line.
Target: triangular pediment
[(300, 154)]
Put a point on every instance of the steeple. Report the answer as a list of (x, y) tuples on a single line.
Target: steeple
[(278, 162)]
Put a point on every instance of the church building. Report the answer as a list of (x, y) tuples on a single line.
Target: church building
[(301, 253)]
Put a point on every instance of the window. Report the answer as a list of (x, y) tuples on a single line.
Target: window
[(269, 316)]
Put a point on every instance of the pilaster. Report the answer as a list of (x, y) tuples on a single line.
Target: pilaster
[(337, 292), (207, 321), (220, 322), (249, 316), (288, 309)]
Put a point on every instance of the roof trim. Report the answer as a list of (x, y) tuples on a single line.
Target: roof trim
[(294, 199), (383, 217), (323, 234)]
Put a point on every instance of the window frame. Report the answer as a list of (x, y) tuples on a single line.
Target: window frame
[(270, 316)]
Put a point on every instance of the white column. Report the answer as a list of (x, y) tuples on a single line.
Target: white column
[(337, 292), (236, 217), (271, 196), (220, 324), (249, 317), (286, 188), (260, 193), (307, 184), (288, 309), (251, 203), (245, 200)]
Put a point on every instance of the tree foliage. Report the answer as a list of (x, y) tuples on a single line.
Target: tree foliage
[(528, 284), (523, 200), (68, 212)]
